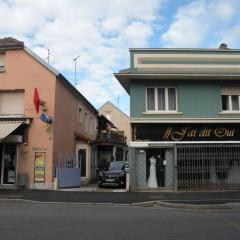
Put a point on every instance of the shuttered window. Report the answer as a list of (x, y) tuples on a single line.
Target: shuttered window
[(11, 103)]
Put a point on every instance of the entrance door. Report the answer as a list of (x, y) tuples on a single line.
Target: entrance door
[(82, 161), (158, 154), (8, 163)]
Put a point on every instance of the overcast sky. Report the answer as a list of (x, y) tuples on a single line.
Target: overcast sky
[(101, 31)]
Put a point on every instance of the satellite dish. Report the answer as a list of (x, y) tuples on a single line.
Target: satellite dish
[(45, 118)]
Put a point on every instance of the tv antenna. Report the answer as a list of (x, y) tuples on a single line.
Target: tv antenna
[(75, 67), (49, 52)]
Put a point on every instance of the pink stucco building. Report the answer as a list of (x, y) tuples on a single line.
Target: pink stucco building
[(30, 146)]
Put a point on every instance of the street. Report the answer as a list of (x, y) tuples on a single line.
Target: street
[(21, 220)]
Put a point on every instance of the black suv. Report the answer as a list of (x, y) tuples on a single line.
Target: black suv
[(114, 175)]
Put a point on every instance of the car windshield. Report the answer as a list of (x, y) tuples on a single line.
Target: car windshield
[(118, 165)]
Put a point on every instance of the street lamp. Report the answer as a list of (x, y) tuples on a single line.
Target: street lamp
[(75, 61)]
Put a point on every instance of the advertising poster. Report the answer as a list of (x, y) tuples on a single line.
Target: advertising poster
[(39, 166)]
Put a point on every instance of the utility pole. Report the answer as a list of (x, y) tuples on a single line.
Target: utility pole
[(75, 63)]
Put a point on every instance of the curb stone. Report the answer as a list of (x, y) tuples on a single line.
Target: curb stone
[(225, 206)]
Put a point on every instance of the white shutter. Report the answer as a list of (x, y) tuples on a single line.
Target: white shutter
[(11, 103)]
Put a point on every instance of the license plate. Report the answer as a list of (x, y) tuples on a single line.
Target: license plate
[(109, 180)]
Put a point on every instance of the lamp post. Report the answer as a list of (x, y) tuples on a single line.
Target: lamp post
[(75, 61)]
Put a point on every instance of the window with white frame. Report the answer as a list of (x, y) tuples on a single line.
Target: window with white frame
[(230, 102), (161, 99), (230, 99)]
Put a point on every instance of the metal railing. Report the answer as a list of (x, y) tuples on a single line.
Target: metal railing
[(208, 167), (111, 137)]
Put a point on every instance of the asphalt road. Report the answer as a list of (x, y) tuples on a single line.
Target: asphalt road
[(63, 221)]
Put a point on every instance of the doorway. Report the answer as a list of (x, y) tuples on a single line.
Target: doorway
[(8, 163), (82, 161), (159, 155)]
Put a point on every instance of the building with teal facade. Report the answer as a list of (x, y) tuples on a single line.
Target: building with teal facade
[(185, 118)]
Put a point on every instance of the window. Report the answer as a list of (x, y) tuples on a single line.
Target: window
[(11, 103), (230, 102), (86, 122), (108, 116), (80, 114), (161, 99), (1, 62), (230, 98), (91, 125)]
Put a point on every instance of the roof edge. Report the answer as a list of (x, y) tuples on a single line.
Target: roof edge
[(76, 92), (186, 49), (40, 60), (114, 107)]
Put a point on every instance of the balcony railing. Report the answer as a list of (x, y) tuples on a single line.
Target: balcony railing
[(115, 137)]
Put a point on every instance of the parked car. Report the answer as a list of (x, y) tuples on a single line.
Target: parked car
[(114, 175)]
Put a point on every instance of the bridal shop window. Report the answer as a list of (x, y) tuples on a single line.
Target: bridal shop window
[(161, 99), (155, 167)]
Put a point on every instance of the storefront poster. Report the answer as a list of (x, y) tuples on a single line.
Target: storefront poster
[(39, 166)]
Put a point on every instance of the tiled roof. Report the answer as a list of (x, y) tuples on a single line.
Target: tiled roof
[(9, 41)]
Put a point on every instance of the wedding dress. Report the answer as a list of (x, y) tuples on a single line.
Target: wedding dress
[(152, 180)]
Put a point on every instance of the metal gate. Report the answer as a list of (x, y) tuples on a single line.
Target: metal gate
[(68, 171), (208, 167)]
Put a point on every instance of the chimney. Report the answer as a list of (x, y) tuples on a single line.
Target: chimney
[(223, 46)]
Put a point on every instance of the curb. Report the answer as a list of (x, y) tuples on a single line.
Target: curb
[(149, 204), (224, 206)]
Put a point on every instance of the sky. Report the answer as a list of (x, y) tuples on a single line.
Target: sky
[(102, 31)]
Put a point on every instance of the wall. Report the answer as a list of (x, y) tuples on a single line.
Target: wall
[(22, 72), (195, 99), (67, 123)]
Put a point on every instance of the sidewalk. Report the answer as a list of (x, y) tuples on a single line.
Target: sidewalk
[(195, 198)]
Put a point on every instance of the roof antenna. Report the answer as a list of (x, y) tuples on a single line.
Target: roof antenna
[(49, 52), (75, 64)]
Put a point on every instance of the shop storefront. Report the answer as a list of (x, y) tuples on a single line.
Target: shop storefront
[(186, 156), (11, 135)]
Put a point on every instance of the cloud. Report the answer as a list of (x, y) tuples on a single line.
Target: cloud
[(201, 23), (100, 31)]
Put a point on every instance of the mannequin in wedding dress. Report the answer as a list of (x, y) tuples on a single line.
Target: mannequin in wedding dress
[(152, 180)]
